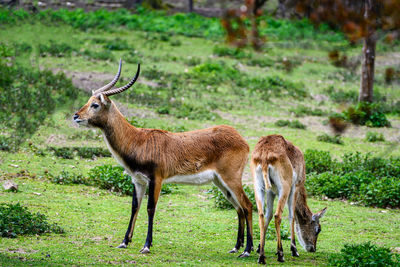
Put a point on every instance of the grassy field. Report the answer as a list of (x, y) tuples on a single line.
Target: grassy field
[(186, 76)]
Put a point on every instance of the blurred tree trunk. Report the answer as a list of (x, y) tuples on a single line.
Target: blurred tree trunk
[(368, 62), (190, 5)]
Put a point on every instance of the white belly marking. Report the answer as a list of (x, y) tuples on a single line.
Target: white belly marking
[(193, 179)]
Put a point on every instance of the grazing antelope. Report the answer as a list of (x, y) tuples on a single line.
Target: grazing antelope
[(278, 169), (153, 157)]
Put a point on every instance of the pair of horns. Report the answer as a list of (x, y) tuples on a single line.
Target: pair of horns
[(105, 90)]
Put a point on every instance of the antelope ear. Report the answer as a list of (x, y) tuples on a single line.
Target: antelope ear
[(319, 214), (105, 100)]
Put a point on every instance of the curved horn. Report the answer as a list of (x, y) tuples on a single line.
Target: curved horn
[(121, 89), (112, 83)]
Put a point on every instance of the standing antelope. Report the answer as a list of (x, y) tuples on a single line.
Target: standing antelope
[(153, 157), (278, 168)]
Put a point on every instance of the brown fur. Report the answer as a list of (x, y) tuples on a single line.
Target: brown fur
[(161, 154), (285, 158)]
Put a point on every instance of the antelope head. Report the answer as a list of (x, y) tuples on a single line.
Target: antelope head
[(95, 112), (307, 232)]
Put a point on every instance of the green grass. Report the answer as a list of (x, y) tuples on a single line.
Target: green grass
[(188, 229)]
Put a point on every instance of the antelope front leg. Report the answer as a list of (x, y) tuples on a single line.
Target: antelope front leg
[(138, 192), (154, 193), (292, 208)]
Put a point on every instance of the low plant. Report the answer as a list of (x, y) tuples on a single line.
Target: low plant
[(56, 49), (291, 124), (318, 161), (336, 139), (160, 124), (17, 220), (365, 254), (368, 114), (114, 179), (99, 55), (68, 178), (117, 44), (374, 137), (83, 152), (302, 110), (221, 202)]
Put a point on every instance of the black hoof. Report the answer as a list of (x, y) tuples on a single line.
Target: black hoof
[(245, 254), (294, 252), (280, 256), (258, 249), (261, 259)]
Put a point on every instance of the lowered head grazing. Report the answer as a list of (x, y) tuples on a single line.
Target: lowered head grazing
[(95, 112), (308, 232)]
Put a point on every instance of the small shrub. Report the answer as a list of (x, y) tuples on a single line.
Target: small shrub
[(67, 178), (330, 139), (175, 42), (117, 44), (111, 178), (56, 49), (341, 96), (291, 124), (62, 152), (100, 55), (221, 202), (345, 186), (301, 111), (83, 152), (318, 161), (367, 114), (192, 61), (374, 137), (282, 123), (383, 192), (365, 254), (18, 220), (234, 52), (297, 125), (114, 179)]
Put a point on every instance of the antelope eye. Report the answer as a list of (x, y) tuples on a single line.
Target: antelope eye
[(94, 105), (318, 230)]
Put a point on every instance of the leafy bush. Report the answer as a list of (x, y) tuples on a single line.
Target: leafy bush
[(365, 254), (117, 44), (27, 96), (221, 202), (68, 178), (372, 181), (161, 124), (56, 49), (301, 111), (291, 124), (18, 220), (233, 52), (367, 114), (318, 161), (374, 137), (338, 186), (114, 179), (383, 192), (101, 55), (83, 152), (341, 96), (330, 139), (111, 178)]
